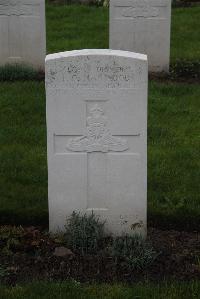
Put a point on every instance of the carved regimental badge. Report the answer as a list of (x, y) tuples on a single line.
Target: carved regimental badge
[(140, 9), (16, 8), (98, 137)]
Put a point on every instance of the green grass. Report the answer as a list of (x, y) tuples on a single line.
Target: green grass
[(23, 174), (76, 291), (173, 155), (173, 160), (185, 41), (77, 27)]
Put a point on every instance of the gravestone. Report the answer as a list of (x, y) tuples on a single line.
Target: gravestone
[(22, 32), (97, 137), (142, 26)]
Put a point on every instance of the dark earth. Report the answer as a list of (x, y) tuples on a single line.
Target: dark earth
[(32, 256)]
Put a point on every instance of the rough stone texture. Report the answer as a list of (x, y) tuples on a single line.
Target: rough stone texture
[(142, 26), (22, 32), (97, 137)]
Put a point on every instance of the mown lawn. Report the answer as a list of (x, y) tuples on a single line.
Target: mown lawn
[(23, 171), (185, 41), (72, 27), (173, 158), (78, 27), (76, 291)]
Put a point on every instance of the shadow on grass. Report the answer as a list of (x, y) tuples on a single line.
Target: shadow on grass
[(20, 72)]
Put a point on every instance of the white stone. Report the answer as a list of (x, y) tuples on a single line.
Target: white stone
[(142, 26), (97, 137), (22, 32)]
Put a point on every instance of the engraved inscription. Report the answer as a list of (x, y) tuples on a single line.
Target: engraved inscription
[(98, 137), (89, 72)]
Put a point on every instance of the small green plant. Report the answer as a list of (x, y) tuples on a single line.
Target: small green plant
[(84, 233), (173, 205), (104, 3), (10, 238), (185, 69), (133, 252)]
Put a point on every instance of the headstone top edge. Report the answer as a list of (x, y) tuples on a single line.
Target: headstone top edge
[(96, 52)]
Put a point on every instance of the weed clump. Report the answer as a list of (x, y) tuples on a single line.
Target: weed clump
[(10, 238), (133, 252), (85, 234)]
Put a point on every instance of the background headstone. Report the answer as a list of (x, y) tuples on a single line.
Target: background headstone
[(97, 137), (142, 26), (22, 32)]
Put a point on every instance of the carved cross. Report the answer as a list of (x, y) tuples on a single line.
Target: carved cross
[(96, 143)]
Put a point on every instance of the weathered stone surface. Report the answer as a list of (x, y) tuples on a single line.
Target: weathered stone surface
[(142, 26), (97, 137), (22, 32)]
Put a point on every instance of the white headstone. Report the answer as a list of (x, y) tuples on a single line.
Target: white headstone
[(22, 32), (142, 26), (97, 137)]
